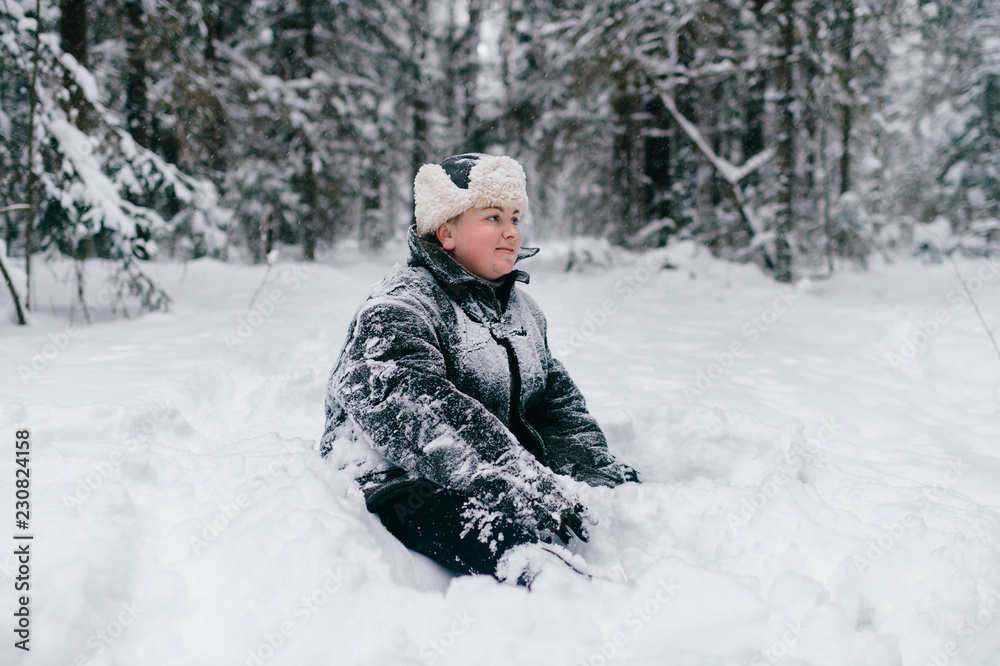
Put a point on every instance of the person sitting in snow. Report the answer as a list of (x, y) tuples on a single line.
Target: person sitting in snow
[(446, 402)]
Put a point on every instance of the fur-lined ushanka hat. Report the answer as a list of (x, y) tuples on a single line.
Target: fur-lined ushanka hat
[(460, 182)]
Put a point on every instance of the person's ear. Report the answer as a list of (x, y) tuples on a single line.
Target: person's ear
[(446, 236)]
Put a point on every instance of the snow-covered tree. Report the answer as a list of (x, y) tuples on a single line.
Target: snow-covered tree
[(91, 191), (786, 132), (939, 131)]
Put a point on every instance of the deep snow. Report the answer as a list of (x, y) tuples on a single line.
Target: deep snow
[(808, 498)]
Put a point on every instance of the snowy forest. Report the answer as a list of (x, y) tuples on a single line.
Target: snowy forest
[(768, 249), (789, 133)]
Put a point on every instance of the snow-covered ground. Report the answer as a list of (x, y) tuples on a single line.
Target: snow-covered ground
[(821, 468)]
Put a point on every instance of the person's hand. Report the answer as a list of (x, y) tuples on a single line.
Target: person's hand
[(610, 476), (571, 522), (630, 474)]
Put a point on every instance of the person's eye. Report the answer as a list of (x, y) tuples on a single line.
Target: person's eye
[(494, 218), (515, 220)]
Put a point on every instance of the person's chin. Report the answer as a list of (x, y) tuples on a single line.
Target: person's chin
[(497, 273)]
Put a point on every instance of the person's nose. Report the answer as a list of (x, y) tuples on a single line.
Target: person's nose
[(510, 230)]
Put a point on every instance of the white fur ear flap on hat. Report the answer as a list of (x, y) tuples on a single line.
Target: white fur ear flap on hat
[(491, 181), (436, 198)]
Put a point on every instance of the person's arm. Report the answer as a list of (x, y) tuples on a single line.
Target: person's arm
[(574, 442), (391, 380)]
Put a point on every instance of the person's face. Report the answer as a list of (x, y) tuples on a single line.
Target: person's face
[(485, 241)]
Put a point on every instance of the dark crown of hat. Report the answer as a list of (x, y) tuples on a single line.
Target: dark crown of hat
[(458, 167)]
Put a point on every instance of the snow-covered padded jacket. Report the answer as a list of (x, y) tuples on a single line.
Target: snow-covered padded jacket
[(447, 378)]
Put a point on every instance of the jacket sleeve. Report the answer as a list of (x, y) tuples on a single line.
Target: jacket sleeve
[(391, 379), (574, 442)]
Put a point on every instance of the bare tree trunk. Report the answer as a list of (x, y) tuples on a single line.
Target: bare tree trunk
[(418, 102), (847, 19), (13, 293), (658, 168), (784, 217), (469, 71), (827, 219), (73, 39), (29, 229), (310, 197), (628, 161), (310, 225), (214, 139), (78, 265), (756, 111), (136, 112), (515, 12), (845, 153), (372, 216), (6, 276)]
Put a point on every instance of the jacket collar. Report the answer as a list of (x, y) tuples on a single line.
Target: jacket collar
[(450, 274)]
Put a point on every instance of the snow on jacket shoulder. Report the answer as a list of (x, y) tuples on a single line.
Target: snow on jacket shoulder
[(447, 378)]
